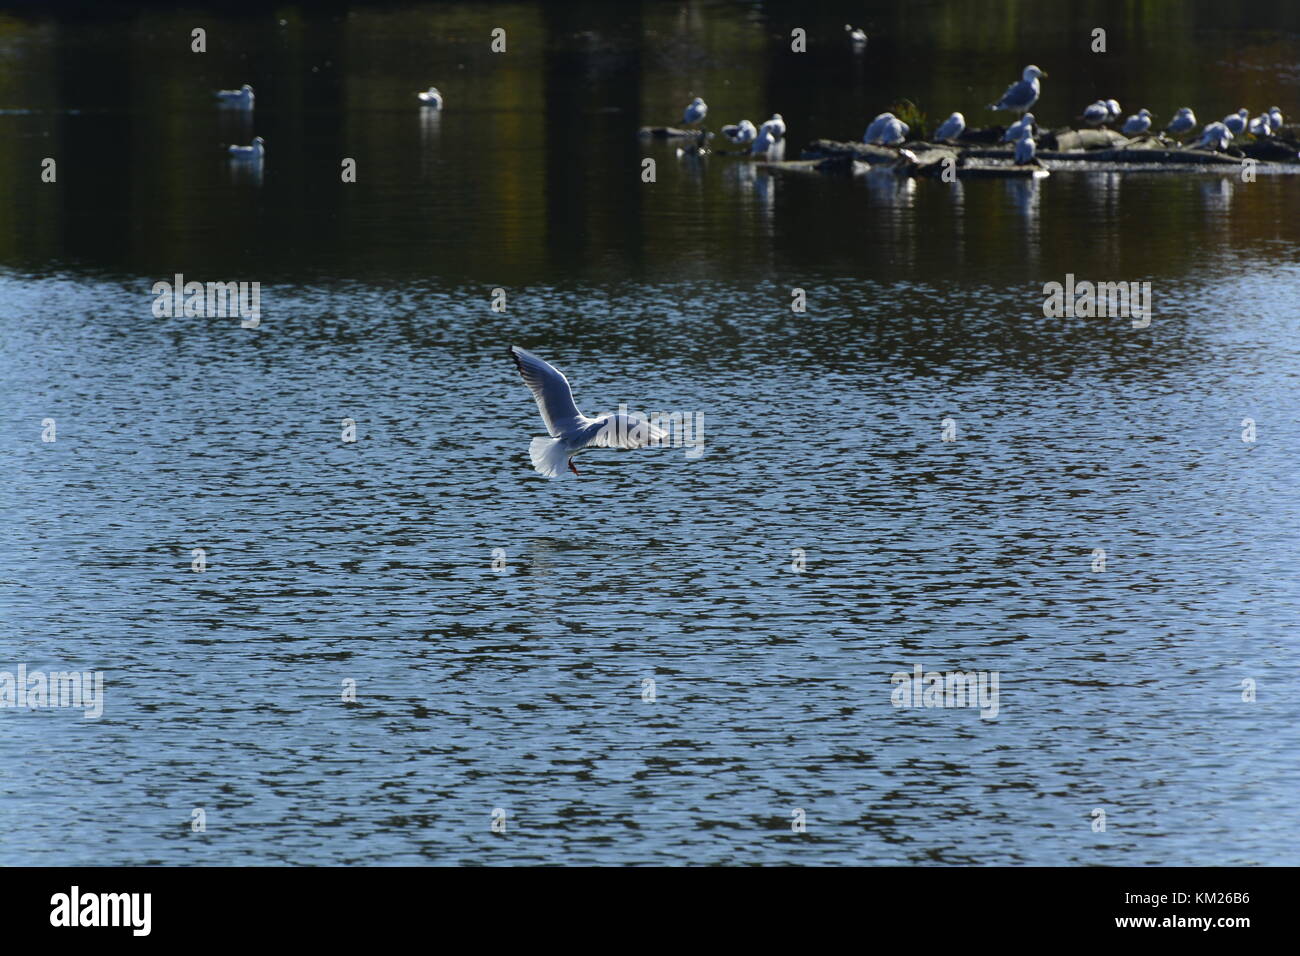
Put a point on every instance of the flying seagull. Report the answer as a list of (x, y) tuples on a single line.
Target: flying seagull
[(570, 430), (1021, 94)]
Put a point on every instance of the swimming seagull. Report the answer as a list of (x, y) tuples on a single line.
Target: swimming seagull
[(431, 98), (1184, 122), (857, 37), (1096, 114), (1138, 124), (1016, 129), (951, 128), (777, 125), (695, 111), (1214, 136), (741, 134), (1023, 93), (1236, 122), (570, 430), (1275, 118), (254, 152), (241, 98)]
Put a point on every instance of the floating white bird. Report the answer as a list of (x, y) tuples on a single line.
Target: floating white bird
[(777, 125), (1017, 129), (764, 141), (241, 98), (695, 111), (1184, 122), (1275, 118), (741, 133), (1096, 114), (1025, 148), (570, 430), (431, 98), (1021, 94), (1236, 122), (256, 151), (856, 37), (1214, 136), (1139, 123), (1260, 126), (951, 128)]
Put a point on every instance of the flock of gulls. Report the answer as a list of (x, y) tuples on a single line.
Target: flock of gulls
[(889, 130)]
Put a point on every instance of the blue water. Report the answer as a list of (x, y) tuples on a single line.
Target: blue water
[(522, 688)]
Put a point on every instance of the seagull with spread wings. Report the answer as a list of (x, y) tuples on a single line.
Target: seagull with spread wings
[(570, 430)]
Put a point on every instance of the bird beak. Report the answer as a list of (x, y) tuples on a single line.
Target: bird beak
[(1043, 75)]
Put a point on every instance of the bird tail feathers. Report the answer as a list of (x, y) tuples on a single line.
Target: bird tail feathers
[(549, 456)]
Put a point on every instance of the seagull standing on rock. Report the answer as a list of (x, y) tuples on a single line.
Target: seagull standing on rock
[(886, 130), (1138, 124), (1236, 122), (951, 128), (777, 125), (1184, 122), (1214, 136), (741, 134), (570, 430), (1025, 147), (1275, 118), (1260, 126), (695, 111), (1023, 93), (1097, 114), (763, 142), (1016, 129)]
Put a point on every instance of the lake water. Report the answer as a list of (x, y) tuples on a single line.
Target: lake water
[(524, 688)]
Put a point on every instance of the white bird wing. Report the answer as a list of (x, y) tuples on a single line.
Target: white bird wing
[(634, 433), (551, 390)]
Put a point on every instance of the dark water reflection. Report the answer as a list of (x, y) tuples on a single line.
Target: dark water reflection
[(522, 689)]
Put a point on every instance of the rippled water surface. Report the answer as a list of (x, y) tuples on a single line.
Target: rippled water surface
[(523, 688)]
